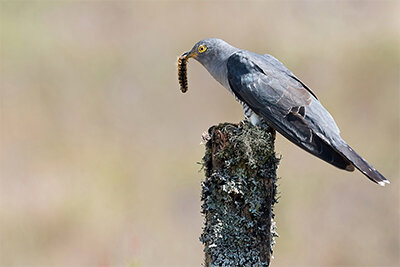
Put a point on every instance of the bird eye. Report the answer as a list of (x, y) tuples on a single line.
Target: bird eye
[(202, 48)]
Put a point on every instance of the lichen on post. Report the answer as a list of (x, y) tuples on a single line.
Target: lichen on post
[(238, 195)]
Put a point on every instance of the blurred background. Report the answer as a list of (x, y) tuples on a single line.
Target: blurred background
[(99, 148)]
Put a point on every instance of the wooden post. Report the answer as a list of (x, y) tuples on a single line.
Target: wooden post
[(238, 195)]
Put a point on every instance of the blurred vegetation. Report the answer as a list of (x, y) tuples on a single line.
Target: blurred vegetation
[(99, 147)]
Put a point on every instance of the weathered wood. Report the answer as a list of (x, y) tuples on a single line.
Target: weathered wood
[(238, 195)]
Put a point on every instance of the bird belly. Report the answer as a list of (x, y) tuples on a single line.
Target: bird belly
[(250, 115)]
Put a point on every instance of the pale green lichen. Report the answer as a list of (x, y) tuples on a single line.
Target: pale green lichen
[(238, 194)]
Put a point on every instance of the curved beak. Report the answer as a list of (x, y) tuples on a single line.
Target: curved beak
[(190, 54)]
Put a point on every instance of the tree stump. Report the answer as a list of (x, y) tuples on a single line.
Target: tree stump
[(238, 195)]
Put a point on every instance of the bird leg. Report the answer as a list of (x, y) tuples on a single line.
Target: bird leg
[(256, 120)]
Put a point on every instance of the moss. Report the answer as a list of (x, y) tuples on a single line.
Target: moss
[(238, 194)]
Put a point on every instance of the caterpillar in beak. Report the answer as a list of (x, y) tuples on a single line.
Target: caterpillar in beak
[(182, 72)]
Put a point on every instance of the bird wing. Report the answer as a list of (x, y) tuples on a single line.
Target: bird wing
[(272, 61), (275, 94)]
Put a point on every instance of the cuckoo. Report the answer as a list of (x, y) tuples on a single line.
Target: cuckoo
[(269, 92)]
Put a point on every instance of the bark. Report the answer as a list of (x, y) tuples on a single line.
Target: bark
[(238, 195)]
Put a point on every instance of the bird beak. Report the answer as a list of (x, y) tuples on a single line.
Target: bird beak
[(190, 54)]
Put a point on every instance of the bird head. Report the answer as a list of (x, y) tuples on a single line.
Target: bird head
[(209, 51), (213, 54)]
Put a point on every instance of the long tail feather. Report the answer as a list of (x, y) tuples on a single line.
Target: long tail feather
[(361, 164)]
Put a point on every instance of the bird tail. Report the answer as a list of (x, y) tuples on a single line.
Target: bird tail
[(361, 164)]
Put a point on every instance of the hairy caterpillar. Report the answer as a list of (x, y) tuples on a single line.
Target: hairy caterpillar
[(182, 73)]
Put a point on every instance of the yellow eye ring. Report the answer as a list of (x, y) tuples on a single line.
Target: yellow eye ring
[(202, 48)]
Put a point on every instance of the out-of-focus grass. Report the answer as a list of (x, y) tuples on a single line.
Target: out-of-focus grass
[(99, 147)]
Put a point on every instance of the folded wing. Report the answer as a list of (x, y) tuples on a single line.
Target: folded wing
[(275, 94)]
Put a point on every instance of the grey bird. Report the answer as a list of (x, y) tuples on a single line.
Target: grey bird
[(270, 92)]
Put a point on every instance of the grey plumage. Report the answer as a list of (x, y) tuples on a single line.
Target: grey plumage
[(270, 92)]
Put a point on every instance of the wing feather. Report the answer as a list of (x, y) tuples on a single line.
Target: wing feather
[(275, 94)]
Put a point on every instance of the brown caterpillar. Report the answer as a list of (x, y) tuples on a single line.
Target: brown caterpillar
[(182, 73)]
